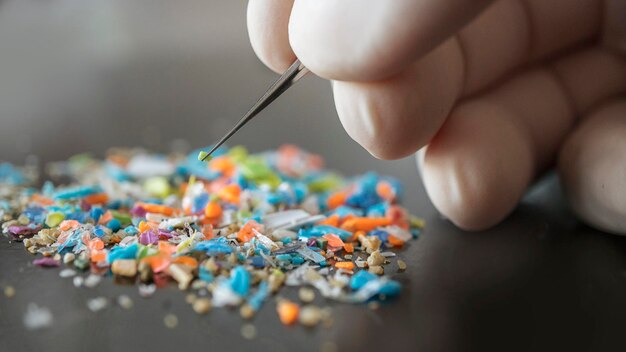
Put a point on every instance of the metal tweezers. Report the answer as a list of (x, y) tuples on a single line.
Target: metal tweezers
[(286, 80)]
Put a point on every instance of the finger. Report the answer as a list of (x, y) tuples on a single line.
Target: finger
[(479, 164), (393, 118), (267, 28), (592, 166), (366, 40), (591, 76), (514, 33)]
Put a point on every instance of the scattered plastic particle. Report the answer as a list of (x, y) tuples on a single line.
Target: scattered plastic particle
[(9, 291), (97, 304), (65, 273), (248, 331), (92, 280), (170, 321), (231, 232), (46, 262), (306, 294), (310, 316), (37, 317), (125, 302), (202, 305), (146, 291), (287, 311)]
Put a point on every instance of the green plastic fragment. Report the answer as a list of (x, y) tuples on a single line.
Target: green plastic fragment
[(54, 219), (325, 183), (124, 219), (204, 156), (157, 187), (238, 154), (321, 242)]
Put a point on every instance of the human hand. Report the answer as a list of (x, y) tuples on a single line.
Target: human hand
[(493, 92)]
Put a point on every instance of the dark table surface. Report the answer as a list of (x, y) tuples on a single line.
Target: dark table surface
[(540, 281)]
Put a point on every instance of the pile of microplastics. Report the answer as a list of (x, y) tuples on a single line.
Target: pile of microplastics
[(233, 230)]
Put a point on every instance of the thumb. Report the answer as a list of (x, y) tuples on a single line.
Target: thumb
[(366, 40)]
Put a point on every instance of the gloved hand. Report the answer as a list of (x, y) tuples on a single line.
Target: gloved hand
[(491, 93)]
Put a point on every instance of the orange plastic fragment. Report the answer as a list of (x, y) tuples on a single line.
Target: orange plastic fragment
[(344, 265), (98, 256), (158, 262), (207, 231), (395, 241), (68, 224), (213, 210), (385, 191), (98, 198), (333, 240), (230, 193), (245, 234), (157, 208), (144, 226), (95, 244), (186, 260), (336, 199), (287, 312), (222, 164), (332, 220), (348, 247), (105, 218), (364, 223), (166, 248), (41, 200)]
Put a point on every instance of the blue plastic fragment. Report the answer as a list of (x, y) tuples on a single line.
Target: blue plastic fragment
[(128, 252), (205, 275), (96, 213), (256, 301), (283, 257), (114, 225), (76, 192), (214, 246), (344, 211), (258, 262), (99, 231), (321, 230), (240, 280), (359, 279)]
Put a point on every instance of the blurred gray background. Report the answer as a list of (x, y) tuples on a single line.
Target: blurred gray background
[(83, 76)]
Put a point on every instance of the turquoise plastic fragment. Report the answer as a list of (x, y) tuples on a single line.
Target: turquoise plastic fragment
[(360, 279), (114, 225), (76, 192), (321, 230), (214, 246), (240, 280), (297, 260), (128, 252), (283, 257), (256, 301), (205, 275)]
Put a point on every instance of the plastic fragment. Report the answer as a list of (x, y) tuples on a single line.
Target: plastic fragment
[(170, 321), (248, 331), (37, 317), (97, 304), (202, 305), (310, 316), (288, 311), (125, 302)]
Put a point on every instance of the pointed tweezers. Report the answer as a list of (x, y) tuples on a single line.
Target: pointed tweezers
[(286, 80)]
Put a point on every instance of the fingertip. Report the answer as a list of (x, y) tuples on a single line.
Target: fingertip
[(477, 167), (267, 22)]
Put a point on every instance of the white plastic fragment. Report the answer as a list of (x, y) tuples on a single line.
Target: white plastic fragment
[(97, 304), (290, 219), (92, 280), (266, 241), (65, 273), (146, 291), (78, 281), (37, 317)]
